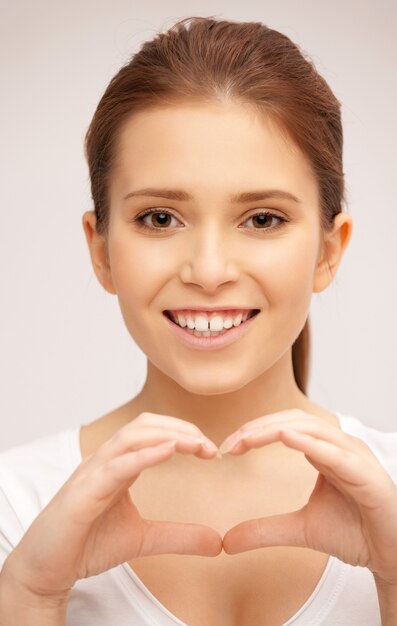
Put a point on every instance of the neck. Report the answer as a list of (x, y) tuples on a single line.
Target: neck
[(218, 415)]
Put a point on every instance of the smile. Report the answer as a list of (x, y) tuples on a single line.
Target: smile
[(203, 331), (210, 323)]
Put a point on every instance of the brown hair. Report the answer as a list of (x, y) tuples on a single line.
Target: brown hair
[(204, 59)]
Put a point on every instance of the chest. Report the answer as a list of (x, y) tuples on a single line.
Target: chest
[(264, 587)]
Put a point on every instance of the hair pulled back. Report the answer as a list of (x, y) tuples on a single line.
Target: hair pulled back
[(205, 59)]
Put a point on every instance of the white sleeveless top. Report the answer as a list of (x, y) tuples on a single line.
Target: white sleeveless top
[(31, 474)]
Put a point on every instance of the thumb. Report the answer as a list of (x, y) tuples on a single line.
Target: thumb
[(179, 538), (276, 530)]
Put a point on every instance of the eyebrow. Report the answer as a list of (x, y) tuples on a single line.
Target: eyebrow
[(246, 196)]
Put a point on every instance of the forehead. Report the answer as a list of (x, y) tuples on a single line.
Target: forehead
[(211, 147)]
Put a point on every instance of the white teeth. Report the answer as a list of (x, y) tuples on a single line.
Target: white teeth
[(190, 323), (228, 322), (207, 333), (182, 320), (217, 323), (202, 323), (237, 319)]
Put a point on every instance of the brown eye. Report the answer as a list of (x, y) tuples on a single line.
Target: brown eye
[(160, 219), (153, 219), (264, 221)]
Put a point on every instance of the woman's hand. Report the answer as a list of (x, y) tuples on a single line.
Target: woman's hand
[(352, 511), (92, 525)]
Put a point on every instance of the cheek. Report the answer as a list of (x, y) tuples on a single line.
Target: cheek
[(137, 270), (285, 266), (285, 270)]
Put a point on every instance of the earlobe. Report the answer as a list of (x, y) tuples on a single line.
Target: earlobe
[(97, 246), (334, 245)]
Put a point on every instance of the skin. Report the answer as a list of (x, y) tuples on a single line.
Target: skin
[(211, 253)]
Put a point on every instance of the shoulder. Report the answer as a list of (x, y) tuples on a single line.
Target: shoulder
[(31, 474), (382, 443)]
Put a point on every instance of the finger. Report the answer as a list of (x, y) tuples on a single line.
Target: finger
[(127, 467), (239, 444), (128, 441), (180, 538), (276, 530), (98, 487), (266, 422), (185, 443), (365, 482), (280, 418), (273, 418), (165, 421)]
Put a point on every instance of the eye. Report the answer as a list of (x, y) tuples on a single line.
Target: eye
[(264, 219), (162, 217), (159, 219)]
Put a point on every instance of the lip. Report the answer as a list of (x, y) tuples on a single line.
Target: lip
[(210, 343), (213, 308)]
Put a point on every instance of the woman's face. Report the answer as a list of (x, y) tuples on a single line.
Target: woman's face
[(211, 250)]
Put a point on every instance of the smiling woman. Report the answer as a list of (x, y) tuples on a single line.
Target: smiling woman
[(211, 222), (291, 99), (215, 158)]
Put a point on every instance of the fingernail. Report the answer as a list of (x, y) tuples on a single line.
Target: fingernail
[(205, 443), (228, 445)]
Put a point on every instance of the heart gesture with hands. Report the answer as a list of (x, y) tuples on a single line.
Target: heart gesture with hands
[(352, 511), (92, 525)]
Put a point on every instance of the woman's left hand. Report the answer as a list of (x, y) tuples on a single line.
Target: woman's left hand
[(352, 511)]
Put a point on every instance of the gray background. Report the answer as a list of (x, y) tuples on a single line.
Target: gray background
[(66, 357)]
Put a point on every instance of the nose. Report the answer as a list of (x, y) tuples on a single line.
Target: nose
[(210, 262)]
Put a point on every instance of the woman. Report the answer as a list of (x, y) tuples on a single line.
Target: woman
[(220, 494)]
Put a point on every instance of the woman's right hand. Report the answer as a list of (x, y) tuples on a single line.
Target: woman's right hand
[(92, 525)]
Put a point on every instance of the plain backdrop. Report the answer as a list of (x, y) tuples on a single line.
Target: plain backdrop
[(66, 357)]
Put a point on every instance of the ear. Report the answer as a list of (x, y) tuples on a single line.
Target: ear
[(333, 247), (97, 245)]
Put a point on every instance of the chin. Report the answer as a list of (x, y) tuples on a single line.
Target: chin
[(211, 385)]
